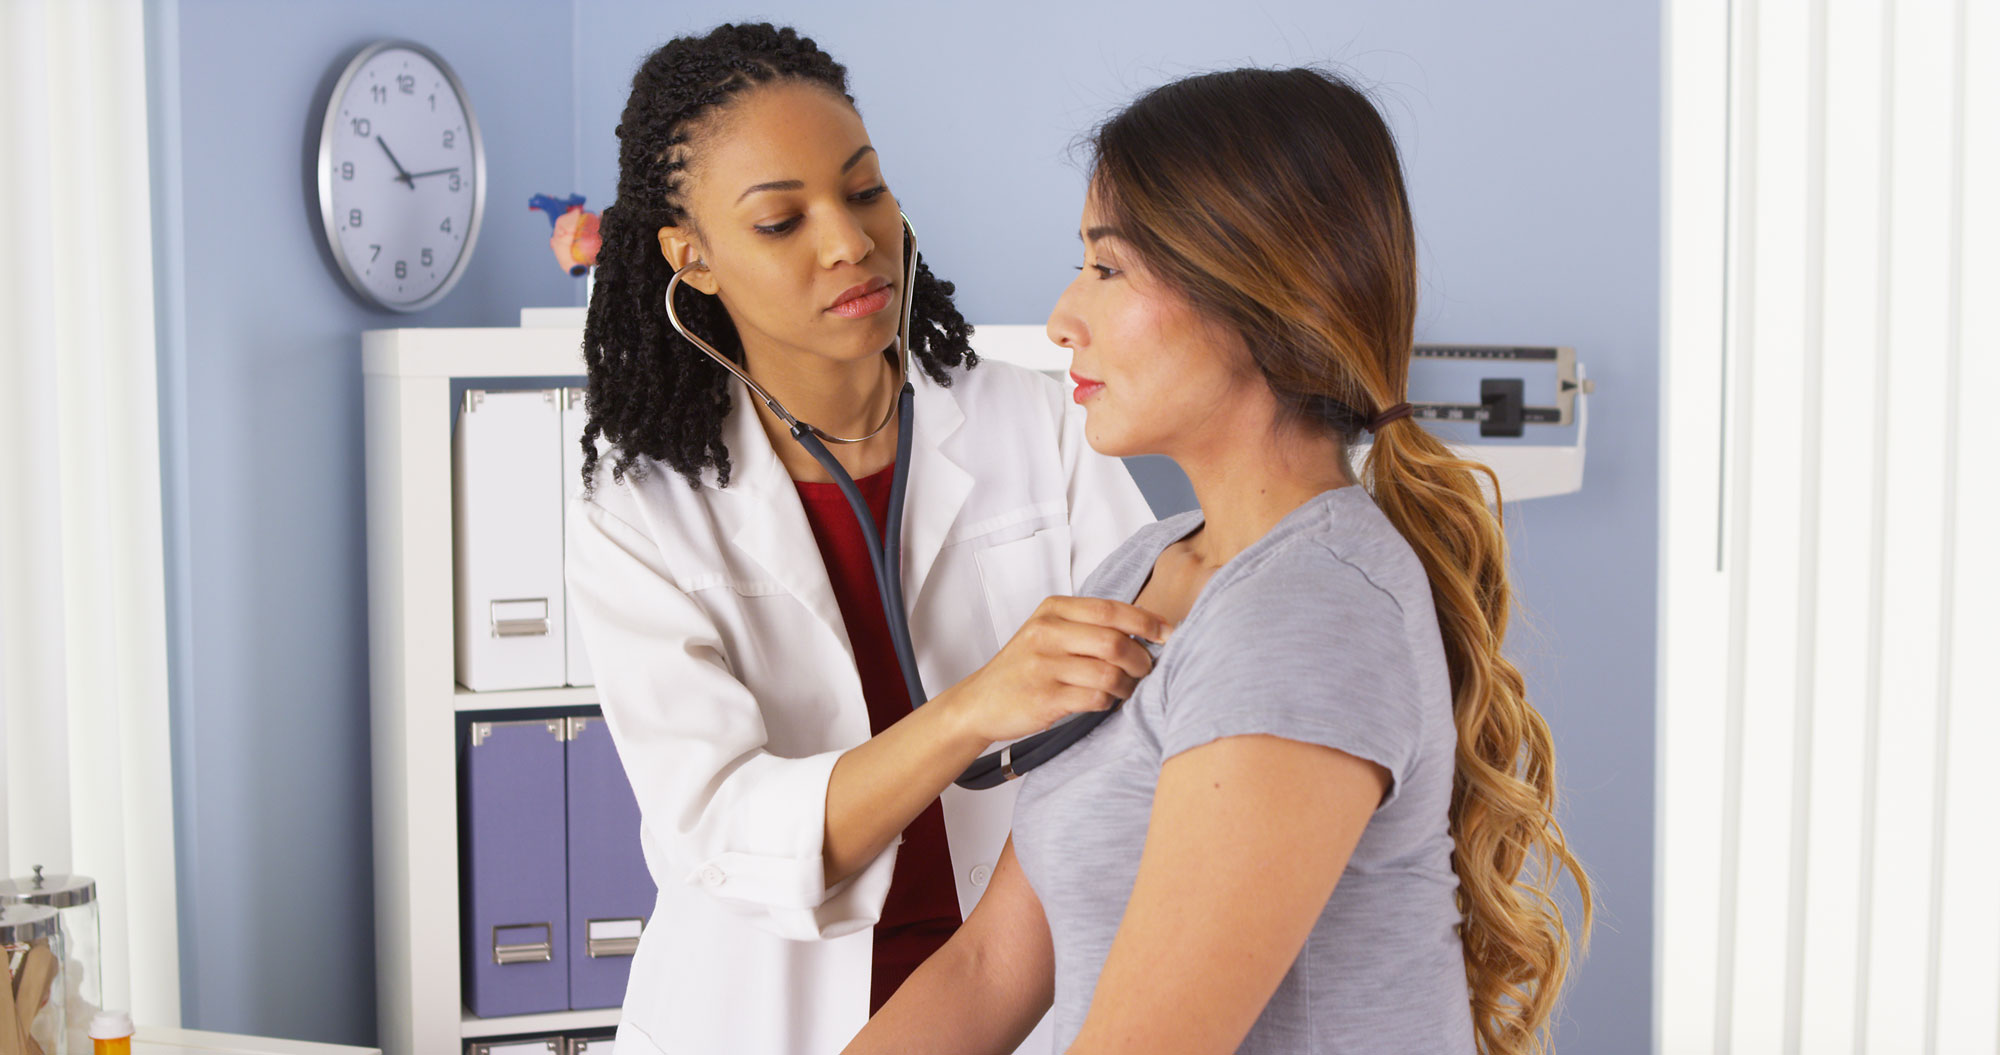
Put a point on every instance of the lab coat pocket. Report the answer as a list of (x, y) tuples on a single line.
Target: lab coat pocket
[(1019, 575)]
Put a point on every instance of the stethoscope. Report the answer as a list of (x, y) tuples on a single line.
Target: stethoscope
[(886, 555)]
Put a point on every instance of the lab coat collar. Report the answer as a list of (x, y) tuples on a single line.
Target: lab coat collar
[(771, 523), (938, 484)]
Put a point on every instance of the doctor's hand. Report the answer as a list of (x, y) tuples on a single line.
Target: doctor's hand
[(1074, 654)]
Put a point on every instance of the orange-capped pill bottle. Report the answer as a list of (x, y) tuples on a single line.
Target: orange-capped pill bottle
[(111, 1033)]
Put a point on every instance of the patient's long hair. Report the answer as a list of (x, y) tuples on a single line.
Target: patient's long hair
[(1273, 202)]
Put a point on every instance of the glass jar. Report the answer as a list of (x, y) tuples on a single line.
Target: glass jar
[(74, 900), (34, 1021)]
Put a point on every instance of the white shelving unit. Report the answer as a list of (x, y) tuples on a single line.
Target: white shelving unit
[(414, 697), (473, 1027)]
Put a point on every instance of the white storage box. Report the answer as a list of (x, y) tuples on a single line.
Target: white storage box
[(507, 524), (573, 419)]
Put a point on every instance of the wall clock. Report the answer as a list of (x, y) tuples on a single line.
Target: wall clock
[(402, 175)]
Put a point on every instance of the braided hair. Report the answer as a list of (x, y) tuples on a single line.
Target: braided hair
[(652, 394)]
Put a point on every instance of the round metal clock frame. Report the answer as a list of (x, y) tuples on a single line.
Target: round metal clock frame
[(328, 223)]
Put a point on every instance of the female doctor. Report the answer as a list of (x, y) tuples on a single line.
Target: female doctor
[(790, 795)]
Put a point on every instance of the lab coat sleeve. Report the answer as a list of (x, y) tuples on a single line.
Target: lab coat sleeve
[(746, 825), (1105, 506)]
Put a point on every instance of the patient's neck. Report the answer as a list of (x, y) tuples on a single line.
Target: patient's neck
[(1247, 479)]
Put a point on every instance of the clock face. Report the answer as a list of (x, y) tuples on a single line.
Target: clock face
[(402, 176)]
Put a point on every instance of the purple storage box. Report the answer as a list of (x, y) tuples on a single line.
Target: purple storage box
[(610, 892), (515, 924)]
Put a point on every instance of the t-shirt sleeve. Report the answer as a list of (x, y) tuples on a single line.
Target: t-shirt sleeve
[(1307, 649)]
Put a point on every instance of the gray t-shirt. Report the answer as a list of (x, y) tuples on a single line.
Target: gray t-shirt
[(1322, 631)]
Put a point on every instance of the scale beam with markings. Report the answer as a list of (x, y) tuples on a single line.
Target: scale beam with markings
[(1503, 409), (1485, 398)]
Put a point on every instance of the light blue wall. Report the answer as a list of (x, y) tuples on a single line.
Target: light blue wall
[(1531, 133), (261, 418)]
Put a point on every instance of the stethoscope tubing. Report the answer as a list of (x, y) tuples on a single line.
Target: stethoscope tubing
[(771, 401), (885, 554), (1010, 762)]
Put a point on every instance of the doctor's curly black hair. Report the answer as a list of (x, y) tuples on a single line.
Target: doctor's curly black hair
[(652, 394)]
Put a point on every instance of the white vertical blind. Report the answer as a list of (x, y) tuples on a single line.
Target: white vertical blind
[(1965, 967), (1829, 860), (83, 662)]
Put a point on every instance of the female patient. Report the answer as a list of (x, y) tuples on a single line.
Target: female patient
[(1307, 829)]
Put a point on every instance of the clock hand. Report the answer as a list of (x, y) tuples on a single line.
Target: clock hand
[(402, 175), (433, 172)]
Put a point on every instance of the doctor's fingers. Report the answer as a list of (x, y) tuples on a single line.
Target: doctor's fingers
[(1117, 615), (1103, 644), (1090, 684)]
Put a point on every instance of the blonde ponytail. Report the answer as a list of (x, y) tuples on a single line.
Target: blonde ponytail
[(1509, 851)]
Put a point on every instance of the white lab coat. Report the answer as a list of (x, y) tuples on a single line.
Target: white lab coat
[(726, 677)]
